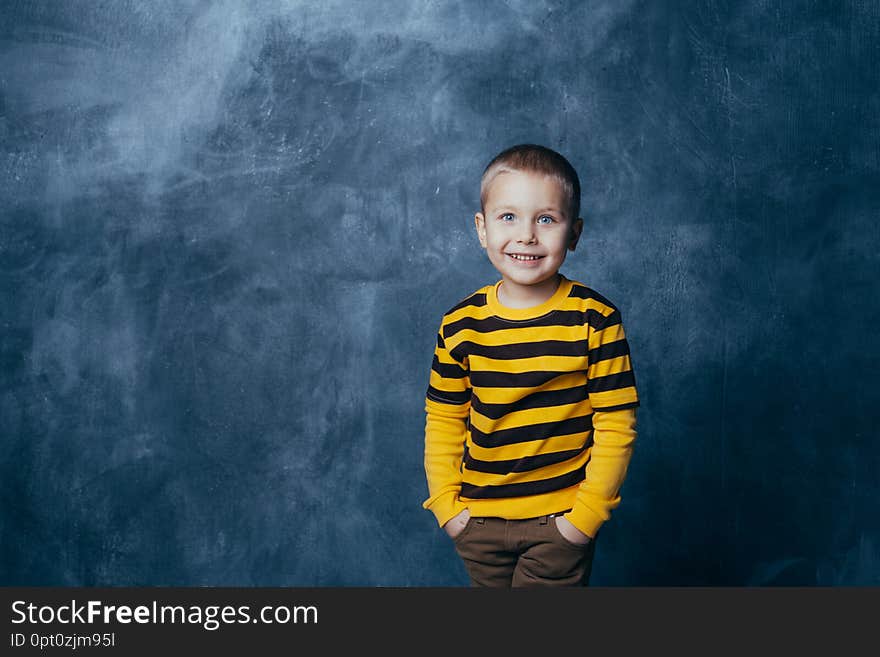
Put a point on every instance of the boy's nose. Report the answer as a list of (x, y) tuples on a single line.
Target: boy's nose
[(526, 233)]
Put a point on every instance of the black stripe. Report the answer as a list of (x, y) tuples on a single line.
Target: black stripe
[(508, 380), (539, 431), (619, 407), (448, 370), (612, 319), (609, 350), (541, 399), (611, 382), (524, 464), (446, 397), (493, 323), (477, 299), (598, 321), (515, 350), (525, 487), (583, 292)]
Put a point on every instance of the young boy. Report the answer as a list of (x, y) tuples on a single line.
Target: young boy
[(530, 407)]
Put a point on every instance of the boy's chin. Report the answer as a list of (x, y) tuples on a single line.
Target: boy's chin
[(528, 281)]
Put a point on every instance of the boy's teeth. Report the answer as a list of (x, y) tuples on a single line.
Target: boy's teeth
[(521, 257)]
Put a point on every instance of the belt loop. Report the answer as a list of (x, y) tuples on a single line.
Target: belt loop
[(542, 520), (480, 521)]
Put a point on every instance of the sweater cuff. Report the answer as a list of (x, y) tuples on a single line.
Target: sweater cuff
[(445, 506), (585, 519)]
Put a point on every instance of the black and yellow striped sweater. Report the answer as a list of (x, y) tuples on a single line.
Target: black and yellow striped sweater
[(530, 411)]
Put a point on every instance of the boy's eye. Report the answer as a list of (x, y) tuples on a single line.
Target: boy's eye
[(508, 216)]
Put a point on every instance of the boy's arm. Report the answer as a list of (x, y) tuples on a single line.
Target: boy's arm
[(612, 390), (614, 433), (447, 405), (444, 446)]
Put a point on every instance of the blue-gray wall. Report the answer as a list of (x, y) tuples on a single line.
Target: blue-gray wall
[(228, 232)]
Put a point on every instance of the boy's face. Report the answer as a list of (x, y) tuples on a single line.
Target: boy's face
[(526, 214)]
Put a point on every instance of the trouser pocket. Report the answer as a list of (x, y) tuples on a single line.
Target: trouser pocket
[(467, 527), (553, 560)]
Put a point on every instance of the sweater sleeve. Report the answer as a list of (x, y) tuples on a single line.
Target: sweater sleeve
[(611, 387), (611, 383), (614, 433), (447, 405)]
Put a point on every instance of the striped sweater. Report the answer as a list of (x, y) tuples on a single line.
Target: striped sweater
[(530, 411)]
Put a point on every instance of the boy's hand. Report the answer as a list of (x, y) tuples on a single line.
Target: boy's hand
[(571, 533), (456, 524)]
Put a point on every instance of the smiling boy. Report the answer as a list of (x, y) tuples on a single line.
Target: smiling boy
[(530, 406)]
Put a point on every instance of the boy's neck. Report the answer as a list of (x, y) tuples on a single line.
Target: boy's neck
[(527, 296)]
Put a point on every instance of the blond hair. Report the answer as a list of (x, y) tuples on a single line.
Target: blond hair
[(536, 159)]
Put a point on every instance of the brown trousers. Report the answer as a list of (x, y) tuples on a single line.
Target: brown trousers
[(506, 553)]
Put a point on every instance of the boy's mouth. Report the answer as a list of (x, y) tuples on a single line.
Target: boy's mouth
[(524, 257)]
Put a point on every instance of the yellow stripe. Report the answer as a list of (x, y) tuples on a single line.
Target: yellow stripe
[(598, 306), (610, 366), (531, 364), (611, 333), (449, 385), (613, 397), (529, 416), (524, 334), (444, 356), (529, 448), (477, 312)]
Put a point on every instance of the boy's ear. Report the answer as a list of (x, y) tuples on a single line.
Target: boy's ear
[(480, 223), (574, 234)]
